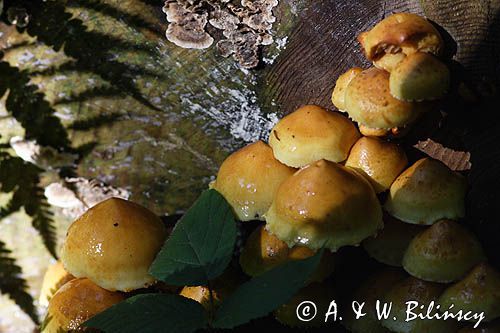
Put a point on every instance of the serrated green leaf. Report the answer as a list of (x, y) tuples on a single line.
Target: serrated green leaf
[(151, 313), (13, 285), (264, 293), (201, 244)]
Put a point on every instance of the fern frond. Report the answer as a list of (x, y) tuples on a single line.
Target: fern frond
[(13, 285)]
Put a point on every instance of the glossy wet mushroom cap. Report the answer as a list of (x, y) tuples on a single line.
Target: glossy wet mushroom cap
[(55, 277), (338, 95), (479, 291), (378, 160), (76, 302), (324, 205), (423, 292), (420, 76), (401, 33), (249, 178), (390, 244), (427, 192), (312, 133), (369, 102), (113, 244), (444, 252), (264, 251)]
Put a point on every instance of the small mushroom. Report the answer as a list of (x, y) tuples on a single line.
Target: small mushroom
[(338, 95)]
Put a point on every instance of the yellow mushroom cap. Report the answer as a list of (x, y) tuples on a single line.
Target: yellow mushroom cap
[(478, 292), (401, 32), (324, 205), (378, 160), (426, 192), (264, 251), (423, 292), (390, 244), (338, 94), (369, 102), (369, 292), (113, 244), (55, 277), (76, 302), (420, 76), (312, 133), (249, 178), (444, 252), (389, 61), (321, 294)]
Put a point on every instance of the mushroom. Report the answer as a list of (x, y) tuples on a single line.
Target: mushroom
[(423, 292), (369, 292), (478, 292), (368, 101), (312, 133), (427, 192), (390, 244), (324, 204), (444, 253), (55, 277), (400, 33), (420, 76), (321, 294), (264, 251), (113, 244), (389, 61), (249, 178), (186, 28), (76, 302), (338, 94), (378, 160)]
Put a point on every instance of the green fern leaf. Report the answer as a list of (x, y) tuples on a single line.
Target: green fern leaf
[(13, 285)]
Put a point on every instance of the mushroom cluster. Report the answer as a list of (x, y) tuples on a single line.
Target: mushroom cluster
[(107, 253), (319, 183), (245, 26)]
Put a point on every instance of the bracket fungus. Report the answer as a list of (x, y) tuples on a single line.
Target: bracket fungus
[(245, 26)]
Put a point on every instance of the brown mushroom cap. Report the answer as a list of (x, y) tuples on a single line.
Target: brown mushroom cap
[(55, 277), (478, 292), (76, 302), (445, 252), (401, 32), (390, 244), (426, 192), (312, 133), (423, 292), (113, 244), (324, 205), (378, 160), (264, 251), (420, 76), (338, 94), (369, 102), (249, 178)]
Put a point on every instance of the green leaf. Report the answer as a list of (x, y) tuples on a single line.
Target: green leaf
[(201, 244), (13, 285), (264, 293), (151, 313)]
